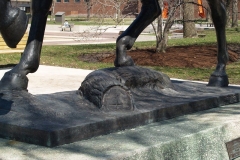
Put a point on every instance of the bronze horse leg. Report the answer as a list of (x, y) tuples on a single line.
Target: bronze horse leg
[(150, 10), (13, 23), (16, 78), (219, 76)]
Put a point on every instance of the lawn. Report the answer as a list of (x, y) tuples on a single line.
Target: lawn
[(68, 56), (93, 21)]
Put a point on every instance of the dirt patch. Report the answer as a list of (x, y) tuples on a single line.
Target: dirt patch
[(182, 56)]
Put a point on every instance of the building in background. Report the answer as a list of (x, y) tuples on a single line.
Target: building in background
[(91, 8), (82, 7), (22, 4)]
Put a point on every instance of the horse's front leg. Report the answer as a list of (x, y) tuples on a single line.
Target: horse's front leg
[(219, 76), (16, 78), (13, 23), (150, 11)]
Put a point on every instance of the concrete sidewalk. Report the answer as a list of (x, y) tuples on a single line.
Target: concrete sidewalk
[(84, 28), (109, 34), (50, 79), (54, 36)]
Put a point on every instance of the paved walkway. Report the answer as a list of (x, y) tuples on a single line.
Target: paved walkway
[(92, 35), (50, 79), (86, 35), (83, 35)]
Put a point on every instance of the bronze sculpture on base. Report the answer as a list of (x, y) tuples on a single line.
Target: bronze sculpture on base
[(109, 99), (16, 78), (150, 10)]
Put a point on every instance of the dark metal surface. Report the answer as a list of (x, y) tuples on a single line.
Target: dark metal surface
[(30, 59), (56, 119), (113, 86), (13, 23)]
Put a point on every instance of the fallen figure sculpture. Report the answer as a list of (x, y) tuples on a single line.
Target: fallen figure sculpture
[(16, 78)]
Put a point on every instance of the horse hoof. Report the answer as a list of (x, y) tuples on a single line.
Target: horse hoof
[(126, 62), (13, 81), (218, 81), (13, 33)]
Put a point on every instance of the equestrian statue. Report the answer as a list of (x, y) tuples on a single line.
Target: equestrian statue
[(13, 24)]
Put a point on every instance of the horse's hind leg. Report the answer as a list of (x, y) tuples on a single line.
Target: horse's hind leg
[(150, 11), (16, 78), (219, 76)]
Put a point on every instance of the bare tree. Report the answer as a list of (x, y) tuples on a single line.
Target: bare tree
[(162, 32), (174, 8), (117, 9)]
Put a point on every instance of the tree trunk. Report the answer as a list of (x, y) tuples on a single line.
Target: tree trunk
[(162, 34), (89, 6), (228, 4), (235, 13), (53, 10), (189, 29), (159, 33), (118, 14), (162, 45)]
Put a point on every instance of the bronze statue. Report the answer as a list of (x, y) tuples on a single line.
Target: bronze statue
[(150, 10), (13, 23), (16, 78)]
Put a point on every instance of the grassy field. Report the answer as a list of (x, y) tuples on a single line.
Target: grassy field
[(94, 21), (68, 56)]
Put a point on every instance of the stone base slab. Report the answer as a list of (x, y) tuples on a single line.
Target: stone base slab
[(202, 135), (62, 118)]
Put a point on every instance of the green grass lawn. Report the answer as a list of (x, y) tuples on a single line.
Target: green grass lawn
[(67, 56), (94, 21)]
